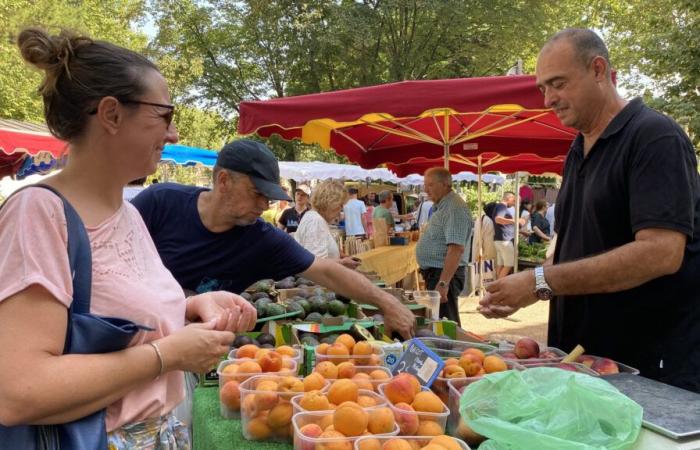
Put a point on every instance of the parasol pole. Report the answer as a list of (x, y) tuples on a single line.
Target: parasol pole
[(446, 141), (517, 221), (480, 256)]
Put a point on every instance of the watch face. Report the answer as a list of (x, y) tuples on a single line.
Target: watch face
[(543, 294)]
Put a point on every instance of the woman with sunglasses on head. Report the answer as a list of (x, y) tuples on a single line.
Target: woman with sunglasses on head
[(113, 108)]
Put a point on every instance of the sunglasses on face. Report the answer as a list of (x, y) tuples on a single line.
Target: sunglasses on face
[(168, 116)]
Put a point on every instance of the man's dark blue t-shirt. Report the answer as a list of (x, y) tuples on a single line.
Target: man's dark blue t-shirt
[(203, 261)]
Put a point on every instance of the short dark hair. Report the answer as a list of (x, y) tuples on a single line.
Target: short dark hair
[(79, 72), (353, 191), (586, 43)]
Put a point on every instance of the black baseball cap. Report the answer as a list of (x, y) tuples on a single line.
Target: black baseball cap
[(257, 161)]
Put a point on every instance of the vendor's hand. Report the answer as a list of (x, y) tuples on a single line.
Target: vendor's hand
[(349, 262), (443, 292), (399, 319), (507, 295), (231, 312), (195, 348)]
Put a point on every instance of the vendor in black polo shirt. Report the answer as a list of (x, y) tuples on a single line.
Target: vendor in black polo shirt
[(625, 278)]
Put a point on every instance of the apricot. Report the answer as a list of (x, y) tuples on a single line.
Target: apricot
[(379, 374), (291, 385), (493, 363), (267, 385), (248, 406), (427, 401), (265, 400), (322, 348), (362, 381), (339, 352), (451, 362), (286, 350), (369, 444), (270, 361), (257, 429), (287, 364), (347, 340), (333, 445), (314, 401), (476, 353), (228, 372), (468, 435), (401, 388), (280, 415), (314, 382), (366, 401), (381, 420), (470, 364), (453, 371), (327, 369), (342, 390), (346, 370), (362, 348), (373, 360), (526, 348), (284, 432), (326, 421), (429, 428), (247, 351), (445, 442), (433, 447), (349, 419), (249, 368), (586, 360), (605, 366), (311, 430), (230, 395), (396, 444), (406, 419)]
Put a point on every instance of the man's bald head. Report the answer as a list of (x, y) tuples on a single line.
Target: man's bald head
[(586, 45)]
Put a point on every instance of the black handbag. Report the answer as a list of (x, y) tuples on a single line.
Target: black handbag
[(87, 334)]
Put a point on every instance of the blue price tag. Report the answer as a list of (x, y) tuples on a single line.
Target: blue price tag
[(420, 361)]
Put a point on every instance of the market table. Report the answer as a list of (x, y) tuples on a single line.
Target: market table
[(392, 262), (213, 432)]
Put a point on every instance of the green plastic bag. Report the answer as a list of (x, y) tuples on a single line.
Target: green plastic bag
[(546, 408)]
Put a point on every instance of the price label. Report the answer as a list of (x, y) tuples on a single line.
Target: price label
[(420, 361)]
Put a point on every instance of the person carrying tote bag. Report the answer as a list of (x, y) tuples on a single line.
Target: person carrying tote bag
[(113, 108)]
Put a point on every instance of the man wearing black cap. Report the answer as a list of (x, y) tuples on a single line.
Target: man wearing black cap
[(215, 240)]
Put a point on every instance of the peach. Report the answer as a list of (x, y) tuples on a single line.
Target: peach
[(327, 369), (346, 370), (451, 362), (249, 367), (453, 371), (262, 352), (286, 350), (427, 401), (605, 366), (381, 420), (247, 351), (586, 360), (314, 382), (342, 390), (493, 363), (475, 352), (280, 415), (347, 340), (311, 430), (314, 401), (258, 430), (322, 349), (379, 374), (527, 348), (230, 395), (397, 444), (429, 428), (270, 361), (402, 388), (406, 418), (445, 442), (339, 351), (470, 364), (369, 444), (349, 419), (549, 355), (366, 401), (333, 445), (468, 435)]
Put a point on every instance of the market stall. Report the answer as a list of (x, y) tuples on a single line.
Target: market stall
[(392, 263), (28, 149)]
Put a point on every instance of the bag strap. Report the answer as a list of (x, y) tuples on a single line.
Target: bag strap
[(79, 254)]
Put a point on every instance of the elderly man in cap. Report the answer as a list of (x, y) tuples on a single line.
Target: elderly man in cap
[(215, 239)]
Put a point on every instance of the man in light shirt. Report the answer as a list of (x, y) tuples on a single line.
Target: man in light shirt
[(354, 212)]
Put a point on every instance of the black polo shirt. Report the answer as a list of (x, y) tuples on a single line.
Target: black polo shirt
[(641, 173)]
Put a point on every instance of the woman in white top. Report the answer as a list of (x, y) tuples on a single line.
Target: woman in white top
[(314, 234)]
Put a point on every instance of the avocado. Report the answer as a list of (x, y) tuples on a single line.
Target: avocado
[(304, 292), (259, 295), (266, 338), (263, 286), (284, 284), (318, 304), (330, 296), (246, 296), (330, 339), (314, 317), (294, 307), (319, 291), (337, 308), (309, 340), (274, 309), (270, 346), (301, 281)]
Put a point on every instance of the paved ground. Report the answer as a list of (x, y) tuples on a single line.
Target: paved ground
[(531, 321)]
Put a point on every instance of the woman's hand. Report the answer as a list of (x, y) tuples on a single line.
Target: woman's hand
[(230, 311), (196, 348)]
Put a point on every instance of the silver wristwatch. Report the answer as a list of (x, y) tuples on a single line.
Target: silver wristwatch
[(542, 289)]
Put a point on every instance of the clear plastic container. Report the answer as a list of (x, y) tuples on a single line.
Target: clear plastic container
[(449, 348), (429, 299), (225, 375), (442, 390), (298, 354), (379, 400), (420, 441), (623, 368), (508, 354), (320, 418), (574, 367), (407, 416), (358, 360), (368, 370)]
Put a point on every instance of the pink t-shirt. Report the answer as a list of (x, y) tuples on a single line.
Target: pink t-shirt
[(128, 281)]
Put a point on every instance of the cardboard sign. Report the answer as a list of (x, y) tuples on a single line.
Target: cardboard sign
[(420, 361)]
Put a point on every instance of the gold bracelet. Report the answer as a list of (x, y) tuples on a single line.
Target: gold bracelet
[(160, 357)]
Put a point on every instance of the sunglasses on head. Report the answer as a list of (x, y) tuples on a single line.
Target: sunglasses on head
[(168, 116)]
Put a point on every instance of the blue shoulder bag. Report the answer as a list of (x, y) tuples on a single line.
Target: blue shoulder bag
[(86, 334)]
